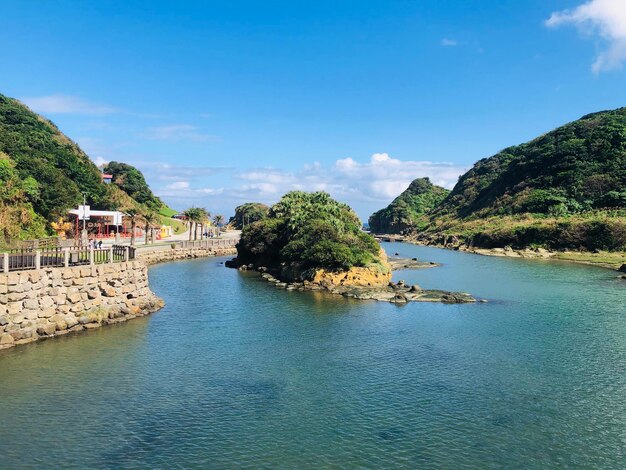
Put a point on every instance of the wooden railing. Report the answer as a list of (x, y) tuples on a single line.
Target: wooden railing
[(209, 243), (30, 259)]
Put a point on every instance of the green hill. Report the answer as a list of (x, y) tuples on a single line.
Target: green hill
[(405, 211), (248, 213), (565, 189), (130, 180), (43, 174)]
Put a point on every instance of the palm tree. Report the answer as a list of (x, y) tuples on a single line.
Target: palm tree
[(196, 216), (190, 215), (150, 218), (203, 218), (218, 220), (134, 214)]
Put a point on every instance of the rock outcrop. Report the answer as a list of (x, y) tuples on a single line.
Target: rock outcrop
[(364, 283), (395, 293)]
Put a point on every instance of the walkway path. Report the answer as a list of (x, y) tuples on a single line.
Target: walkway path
[(179, 237)]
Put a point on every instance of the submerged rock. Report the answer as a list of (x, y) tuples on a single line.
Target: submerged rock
[(404, 294), (409, 263)]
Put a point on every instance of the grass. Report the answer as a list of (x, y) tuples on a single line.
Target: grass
[(167, 212), (604, 258), (177, 225), (570, 236)]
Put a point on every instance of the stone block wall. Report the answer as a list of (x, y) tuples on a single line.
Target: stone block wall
[(55, 301), (173, 254)]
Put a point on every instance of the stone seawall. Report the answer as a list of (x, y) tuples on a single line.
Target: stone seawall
[(55, 301), (174, 254)]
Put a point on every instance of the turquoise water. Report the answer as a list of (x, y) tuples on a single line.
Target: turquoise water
[(235, 373)]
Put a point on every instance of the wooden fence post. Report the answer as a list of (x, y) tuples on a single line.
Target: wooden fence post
[(111, 255), (66, 257), (126, 253), (91, 256), (5, 262), (38, 259)]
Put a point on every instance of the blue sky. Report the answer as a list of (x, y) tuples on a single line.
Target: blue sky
[(221, 103)]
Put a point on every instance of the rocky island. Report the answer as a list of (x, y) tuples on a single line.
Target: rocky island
[(309, 241)]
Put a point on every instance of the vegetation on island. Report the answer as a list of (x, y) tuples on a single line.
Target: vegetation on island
[(405, 211), (310, 231), (43, 174), (248, 213)]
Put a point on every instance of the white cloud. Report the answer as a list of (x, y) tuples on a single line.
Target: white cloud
[(99, 161), (366, 186), (447, 42), (177, 185), (177, 132), (167, 172), (65, 104), (606, 18), (378, 180)]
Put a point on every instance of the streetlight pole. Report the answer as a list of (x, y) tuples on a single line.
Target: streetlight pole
[(84, 211)]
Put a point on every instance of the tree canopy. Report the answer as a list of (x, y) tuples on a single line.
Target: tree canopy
[(133, 183), (309, 230), (17, 216), (404, 212), (248, 213), (578, 167)]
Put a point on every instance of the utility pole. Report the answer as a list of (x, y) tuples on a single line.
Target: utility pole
[(84, 211)]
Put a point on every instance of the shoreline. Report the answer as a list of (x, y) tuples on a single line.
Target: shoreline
[(540, 254), (395, 293)]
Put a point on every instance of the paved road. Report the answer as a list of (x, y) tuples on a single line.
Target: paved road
[(139, 241)]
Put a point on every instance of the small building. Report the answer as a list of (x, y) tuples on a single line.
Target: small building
[(106, 178), (100, 224)]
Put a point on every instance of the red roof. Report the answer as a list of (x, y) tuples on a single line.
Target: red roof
[(105, 176)]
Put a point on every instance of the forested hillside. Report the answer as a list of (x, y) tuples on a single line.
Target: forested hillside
[(405, 211), (575, 168), (565, 189), (43, 174), (132, 182)]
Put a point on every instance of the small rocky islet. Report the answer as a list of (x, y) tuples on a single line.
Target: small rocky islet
[(309, 241), (356, 285)]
